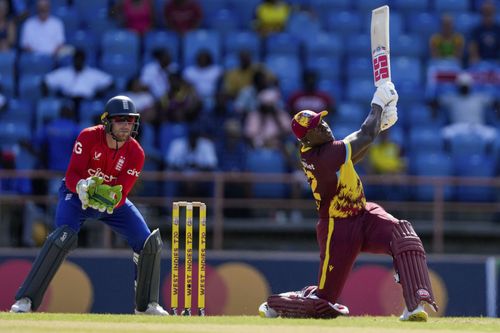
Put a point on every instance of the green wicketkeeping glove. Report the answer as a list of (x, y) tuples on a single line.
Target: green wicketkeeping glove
[(87, 187), (105, 197)]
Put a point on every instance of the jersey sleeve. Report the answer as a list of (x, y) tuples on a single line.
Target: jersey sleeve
[(333, 156), (79, 159), (134, 167)]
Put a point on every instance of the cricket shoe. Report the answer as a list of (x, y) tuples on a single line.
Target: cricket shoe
[(266, 312), (22, 305), (418, 314), (154, 309)]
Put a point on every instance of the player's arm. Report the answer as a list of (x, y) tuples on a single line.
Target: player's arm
[(384, 101), (130, 174), (80, 157)]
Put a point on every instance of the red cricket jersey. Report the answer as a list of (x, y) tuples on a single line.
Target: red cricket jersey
[(92, 157)]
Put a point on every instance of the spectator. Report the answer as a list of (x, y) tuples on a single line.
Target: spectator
[(78, 81), (8, 28), (43, 33), (246, 101), (386, 156), (467, 110), (136, 15), (231, 147), (485, 38), (268, 125), (142, 98), (204, 76), (271, 16), (155, 73), (181, 103), (183, 15), (240, 77), (191, 154), (447, 43), (309, 97)]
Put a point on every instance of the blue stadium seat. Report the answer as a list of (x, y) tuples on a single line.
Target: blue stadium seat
[(147, 135), (100, 25), (410, 6), (46, 110), (359, 68), (431, 164), (358, 45), (161, 39), (424, 139), (324, 44), (88, 9), (409, 45), (303, 25), (168, 132), (368, 5), (35, 63), (210, 8), (7, 85), (466, 21), (120, 41), (327, 68), (266, 160), (225, 21), (245, 11), (119, 65), (360, 90), (448, 6), (424, 24), (17, 110), (288, 70), (196, 40), (90, 110), (475, 165), (407, 69), (344, 22), (350, 113), (84, 40), (70, 18), (30, 87), (467, 144), (7, 63), (11, 132), (282, 44), (333, 88), (242, 40)]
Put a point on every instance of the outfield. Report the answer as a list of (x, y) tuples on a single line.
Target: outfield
[(95, 323)]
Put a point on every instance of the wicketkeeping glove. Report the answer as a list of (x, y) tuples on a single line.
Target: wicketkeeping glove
[(385, 95), (389, 117), (87, 187), (105, 198)]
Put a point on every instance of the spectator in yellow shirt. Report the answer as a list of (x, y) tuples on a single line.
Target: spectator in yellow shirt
[(386, 156), (271, 16), (447, 43)]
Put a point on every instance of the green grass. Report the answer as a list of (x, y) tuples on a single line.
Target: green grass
[(97, 323)]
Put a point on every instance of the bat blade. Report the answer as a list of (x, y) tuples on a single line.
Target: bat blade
[(380, 45)]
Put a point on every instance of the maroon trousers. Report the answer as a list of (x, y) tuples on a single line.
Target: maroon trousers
[(342, 239)]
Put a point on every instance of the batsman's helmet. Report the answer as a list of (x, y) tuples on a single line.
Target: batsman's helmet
[(120, 106)]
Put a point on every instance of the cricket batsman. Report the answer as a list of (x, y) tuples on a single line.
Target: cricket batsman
[(348, 224), (105, 164)]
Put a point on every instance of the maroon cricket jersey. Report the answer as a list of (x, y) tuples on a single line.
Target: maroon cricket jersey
[(336, 186), (92, 157)]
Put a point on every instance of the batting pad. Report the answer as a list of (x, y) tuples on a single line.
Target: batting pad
[(411, 266)]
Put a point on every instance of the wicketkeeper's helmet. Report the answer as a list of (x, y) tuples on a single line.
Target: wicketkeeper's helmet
[(120, 106)]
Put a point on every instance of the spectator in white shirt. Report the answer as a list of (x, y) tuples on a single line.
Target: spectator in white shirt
[(204, 76), (78, 81), (155, 73), (43, 33), (142, 98)]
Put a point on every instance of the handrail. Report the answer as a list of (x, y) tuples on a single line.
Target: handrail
[(218, 202)]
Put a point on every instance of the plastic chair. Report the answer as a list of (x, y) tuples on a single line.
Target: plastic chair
[(30, 87), (475, 165), (90, 110), (360, 90), (168, 132), (451, 6), (424, 24), (120, 41), (344, 22), (242, 40), (47, 109), (161, 39), (425, 139), (88, 8), (327, 68), (431, 164), (359, 68), (119, 65), (244, 10), (368, 5), (285, 67), (466, 21), (7, 63), (358, 45), (224, 21), (410, 6), (35, 63), (324, 44), (266, 160), (349, 112), (407, 69), (17, 110), (196, 40), (409, 45), (282, 44), (302, 26), (8, 85)]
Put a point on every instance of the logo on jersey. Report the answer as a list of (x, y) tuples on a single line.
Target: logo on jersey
[(307, 166), (133, 172), (120, 163), (68, 196), (97, 156), (98, 173), (77, 149)]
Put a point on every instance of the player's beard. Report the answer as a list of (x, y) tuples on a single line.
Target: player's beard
[(121, 135)]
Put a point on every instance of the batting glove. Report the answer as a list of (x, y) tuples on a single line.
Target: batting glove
[(385, 95), (389, 117), (86, 187)]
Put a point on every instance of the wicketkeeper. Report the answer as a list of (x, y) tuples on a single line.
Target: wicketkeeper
[(105, 163), (348, 225)]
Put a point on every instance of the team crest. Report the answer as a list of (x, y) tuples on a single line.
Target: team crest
[(304, 118)]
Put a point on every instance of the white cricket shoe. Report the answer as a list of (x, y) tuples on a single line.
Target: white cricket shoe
[(266, 312), (154, 309), (21, 306), (418, 314)]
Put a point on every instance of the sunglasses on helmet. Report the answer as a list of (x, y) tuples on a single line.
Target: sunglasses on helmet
[(123, 119)]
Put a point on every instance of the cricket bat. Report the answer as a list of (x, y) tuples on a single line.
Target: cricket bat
[(380, 45)]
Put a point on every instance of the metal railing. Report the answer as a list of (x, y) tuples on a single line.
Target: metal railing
[(218, 202)]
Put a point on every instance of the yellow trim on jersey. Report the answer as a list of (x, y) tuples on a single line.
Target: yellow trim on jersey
[(348, 151), (324, 269)]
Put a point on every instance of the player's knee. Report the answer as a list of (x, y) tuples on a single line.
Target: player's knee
[(153, 243), (64, 237), (404, 239)]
